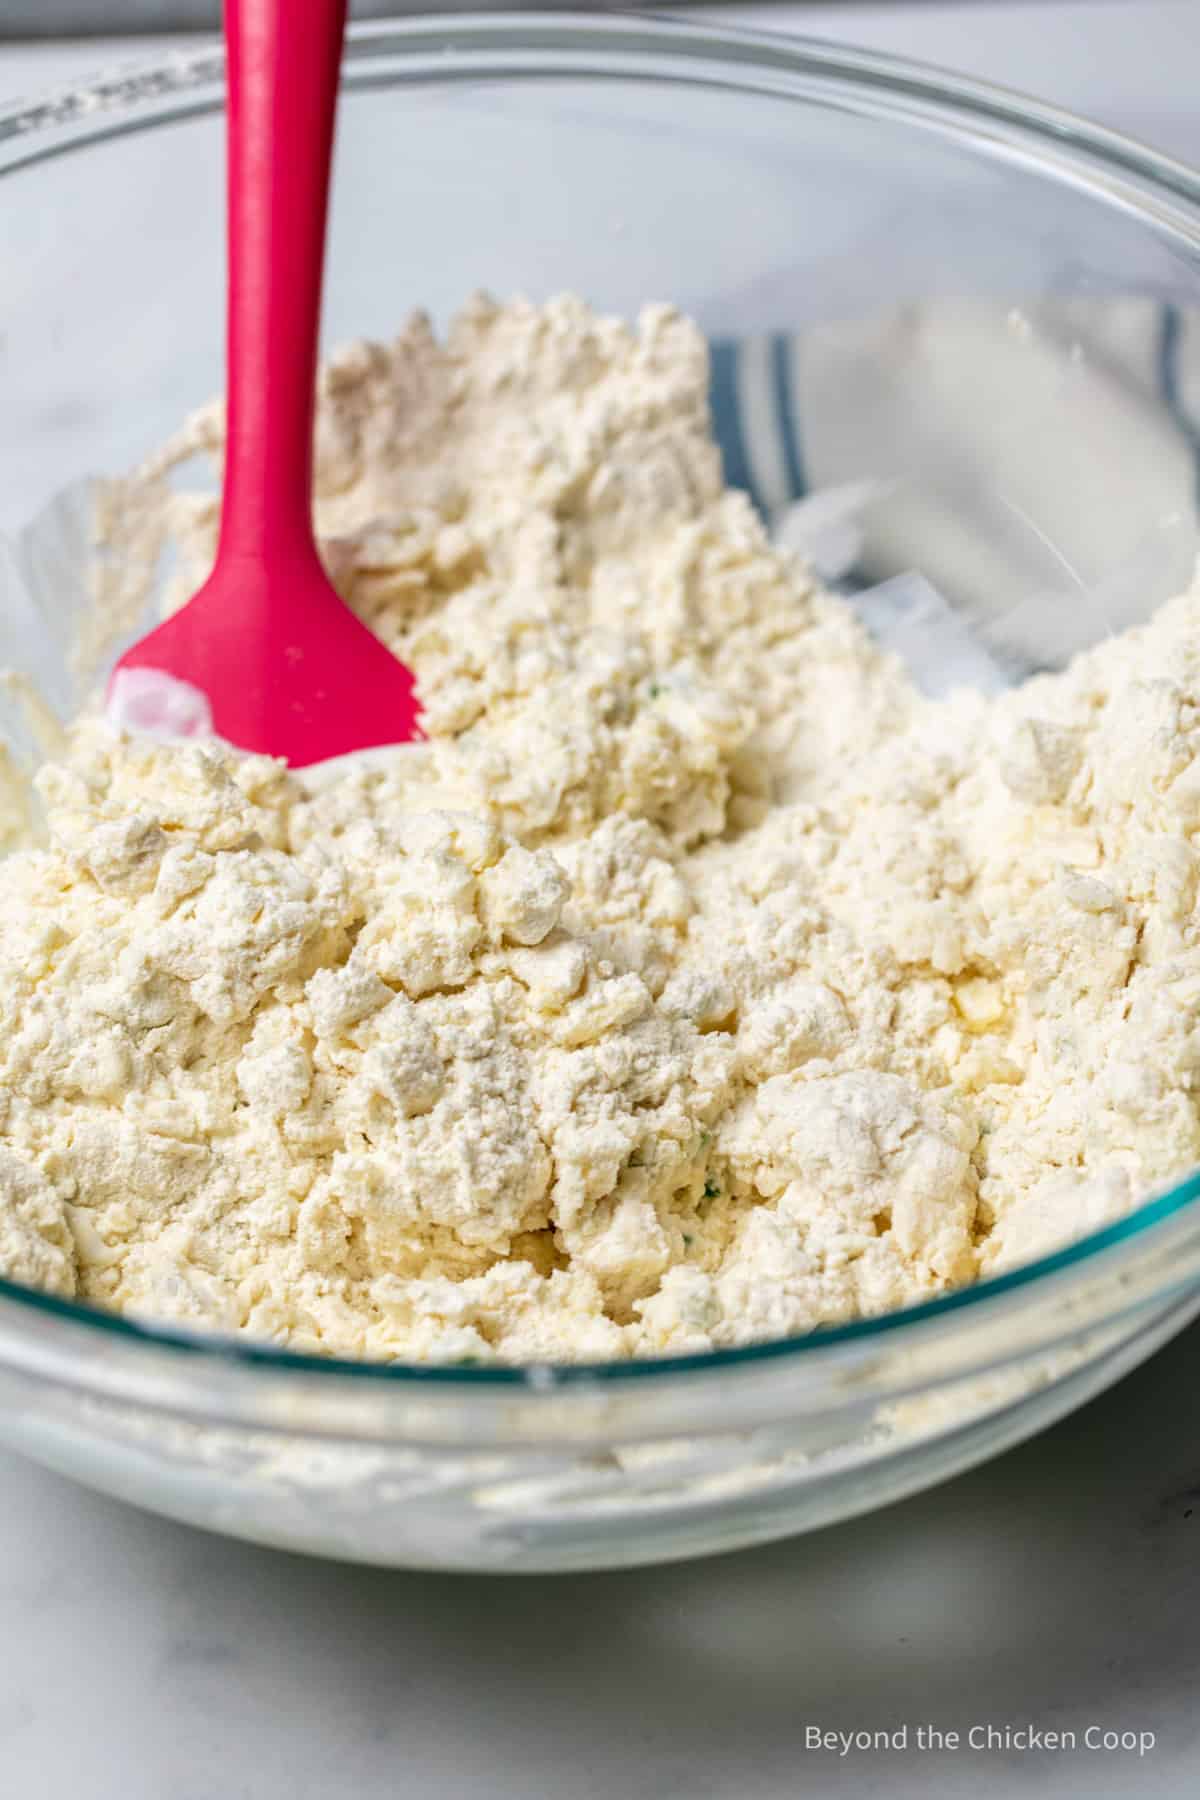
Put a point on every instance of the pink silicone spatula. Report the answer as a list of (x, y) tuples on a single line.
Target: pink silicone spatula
[(285, 665)]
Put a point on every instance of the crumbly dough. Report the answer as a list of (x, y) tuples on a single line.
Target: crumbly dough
[(695, 981)]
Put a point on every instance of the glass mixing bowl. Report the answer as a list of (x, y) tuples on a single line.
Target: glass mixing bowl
[(971, 317)]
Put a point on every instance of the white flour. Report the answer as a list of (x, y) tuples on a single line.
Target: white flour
[(696, 981)]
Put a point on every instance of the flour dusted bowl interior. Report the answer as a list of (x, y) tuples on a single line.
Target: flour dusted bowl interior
[(952, 348)]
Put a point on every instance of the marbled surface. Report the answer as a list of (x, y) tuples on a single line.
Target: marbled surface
[(1058, 1587)]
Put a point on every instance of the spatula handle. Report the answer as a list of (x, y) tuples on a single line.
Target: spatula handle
[(283, 60)]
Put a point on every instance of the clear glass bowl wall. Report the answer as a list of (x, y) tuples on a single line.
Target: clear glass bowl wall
[(914, 239)]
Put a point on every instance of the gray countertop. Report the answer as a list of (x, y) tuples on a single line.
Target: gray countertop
[(1057, 1588)]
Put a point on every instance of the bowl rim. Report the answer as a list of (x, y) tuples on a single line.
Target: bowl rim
[(147, 82), (141, 93)]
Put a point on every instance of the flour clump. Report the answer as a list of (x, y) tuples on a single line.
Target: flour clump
[(694, 981)]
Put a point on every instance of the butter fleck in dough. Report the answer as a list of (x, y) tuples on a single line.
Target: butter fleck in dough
[(695, 981)]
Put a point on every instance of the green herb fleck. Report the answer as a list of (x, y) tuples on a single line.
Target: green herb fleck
[(711, 1189)]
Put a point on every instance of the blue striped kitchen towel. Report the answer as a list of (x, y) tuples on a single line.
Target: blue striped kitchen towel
[(1019, 459)]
